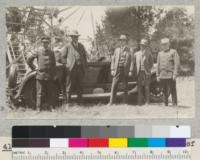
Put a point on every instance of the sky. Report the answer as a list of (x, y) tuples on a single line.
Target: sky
[(85, 25), (84, 18)]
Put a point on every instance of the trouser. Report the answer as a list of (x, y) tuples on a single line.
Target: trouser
[(169, 87), (45, 93), (74, 82), (119, 77), (61, 82), (143, 81)]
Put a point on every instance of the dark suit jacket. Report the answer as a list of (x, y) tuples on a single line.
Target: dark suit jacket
[(46, 63), (116, 57), (148, 62), (68, 56)]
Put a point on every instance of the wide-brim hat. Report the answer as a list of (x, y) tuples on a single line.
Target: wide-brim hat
[(74, 33), (123, 37), (165, 40), (144, 42)]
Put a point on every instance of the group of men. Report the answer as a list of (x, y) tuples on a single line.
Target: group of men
[(125, 63), (73, 58)]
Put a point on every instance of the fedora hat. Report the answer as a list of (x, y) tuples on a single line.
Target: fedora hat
[(165, 40), (144, 42), (74, 33), (123, 37)]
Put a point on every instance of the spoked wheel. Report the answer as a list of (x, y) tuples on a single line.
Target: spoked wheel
[(156, 92), (29, 93)]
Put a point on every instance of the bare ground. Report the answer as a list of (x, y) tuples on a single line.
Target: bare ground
[(185, 109)]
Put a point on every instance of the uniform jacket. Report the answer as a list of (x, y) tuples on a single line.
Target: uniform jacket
[(46, 63), (167, 64), (68, 56), (147, 60), (116, 57)]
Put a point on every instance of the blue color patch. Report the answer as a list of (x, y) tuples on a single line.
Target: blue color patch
[(156, 142)]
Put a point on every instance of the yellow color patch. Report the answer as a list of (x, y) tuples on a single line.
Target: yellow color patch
[(118, 142)]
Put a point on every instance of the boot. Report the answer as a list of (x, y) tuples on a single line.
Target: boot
[(68, 98)]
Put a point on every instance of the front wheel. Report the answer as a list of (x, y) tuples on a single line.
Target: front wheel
[(29, 93), (156, 93)]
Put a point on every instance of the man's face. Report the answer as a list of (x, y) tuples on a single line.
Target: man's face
[(142, 47), (165, 46), (74, 39), (60, 43), (45, 44), (123, 42)]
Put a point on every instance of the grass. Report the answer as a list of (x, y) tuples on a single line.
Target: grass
[(186, 108)]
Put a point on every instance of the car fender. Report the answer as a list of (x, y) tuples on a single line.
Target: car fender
[(12, 76), (30, 75)]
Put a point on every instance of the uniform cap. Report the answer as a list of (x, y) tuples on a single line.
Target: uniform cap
[(58, 38), (45, 39), (164, 40)]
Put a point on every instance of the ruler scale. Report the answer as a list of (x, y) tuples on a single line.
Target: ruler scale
[(102, 154)]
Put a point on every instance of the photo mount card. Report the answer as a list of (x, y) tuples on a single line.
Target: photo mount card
[(186, 114), (100, 67)]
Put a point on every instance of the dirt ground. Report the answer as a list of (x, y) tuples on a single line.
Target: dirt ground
[(185, 109)]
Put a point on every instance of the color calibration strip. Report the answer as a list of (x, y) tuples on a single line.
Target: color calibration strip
[(99, 142), (100, 136)]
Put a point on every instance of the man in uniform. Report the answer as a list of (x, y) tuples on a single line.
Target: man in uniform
[(75, 60), (143, 63), (45, 74), (167, 70), (120, 68)]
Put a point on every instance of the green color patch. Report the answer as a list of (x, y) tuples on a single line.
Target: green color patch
[(137, 142)]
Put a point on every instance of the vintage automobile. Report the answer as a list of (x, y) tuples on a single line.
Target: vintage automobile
[(97, 84)]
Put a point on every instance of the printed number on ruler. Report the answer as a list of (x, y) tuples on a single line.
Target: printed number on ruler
[(102, 154)]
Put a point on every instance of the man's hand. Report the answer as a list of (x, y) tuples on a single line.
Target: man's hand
[(130, 74), (55, 78), (113, 73), (32, 67), (158, 79), (174, 77)]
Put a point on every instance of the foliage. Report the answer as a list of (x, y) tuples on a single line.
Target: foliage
[(135, 22), (152, 23), (178, 26), (30, 21), (13, 19)]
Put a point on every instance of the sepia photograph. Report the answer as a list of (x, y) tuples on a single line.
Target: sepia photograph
[(100, 62)]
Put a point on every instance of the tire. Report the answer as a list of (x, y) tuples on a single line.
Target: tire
[(12, 76), (29, 93), (156, 92)]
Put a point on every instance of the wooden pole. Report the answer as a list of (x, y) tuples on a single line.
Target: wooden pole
[(51, 33), (93, 28)]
